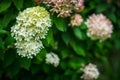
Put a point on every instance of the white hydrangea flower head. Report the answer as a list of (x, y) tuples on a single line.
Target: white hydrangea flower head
[(90, 72), (52, 58), (33, 23), (28, 48), (99, 27), (31, 26)]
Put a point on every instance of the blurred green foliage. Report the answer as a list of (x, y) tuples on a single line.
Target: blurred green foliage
[(71, 44)]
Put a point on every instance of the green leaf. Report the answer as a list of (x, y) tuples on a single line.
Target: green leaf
[(9, 40), (118, 22), (7, 18), (34, 69), (60, 23), (1, 44), (25, 63), (75, 62), (4, 5), (101, 8), (0, 24), (112, 17), (92, 4), (56, 77), (85, 11), (66, 38), (68, 72), (18, 4), (9, 60), (78, 49), (29, 3), (49, 37), (117, 43), (83, 26), (65, 53), (41, 55), (3, 31), (46, 69), (13, 70), (63, 64), (78, 33)]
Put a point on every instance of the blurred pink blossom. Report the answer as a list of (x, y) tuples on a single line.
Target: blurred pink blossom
[(64, 8), (76, 20), (99, 27)]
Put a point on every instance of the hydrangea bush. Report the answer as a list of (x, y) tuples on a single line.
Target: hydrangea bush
[(59, 39), (32, 26)]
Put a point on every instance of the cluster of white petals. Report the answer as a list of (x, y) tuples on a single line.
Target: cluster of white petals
[(90, 72), (28, 48), (52, 58), (32, 26), (99, 27)]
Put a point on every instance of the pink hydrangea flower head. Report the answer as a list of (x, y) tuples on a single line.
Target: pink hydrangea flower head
[(64, 8), (76, 20), (99, 27)]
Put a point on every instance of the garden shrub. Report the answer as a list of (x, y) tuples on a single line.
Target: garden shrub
[(59, 39)]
